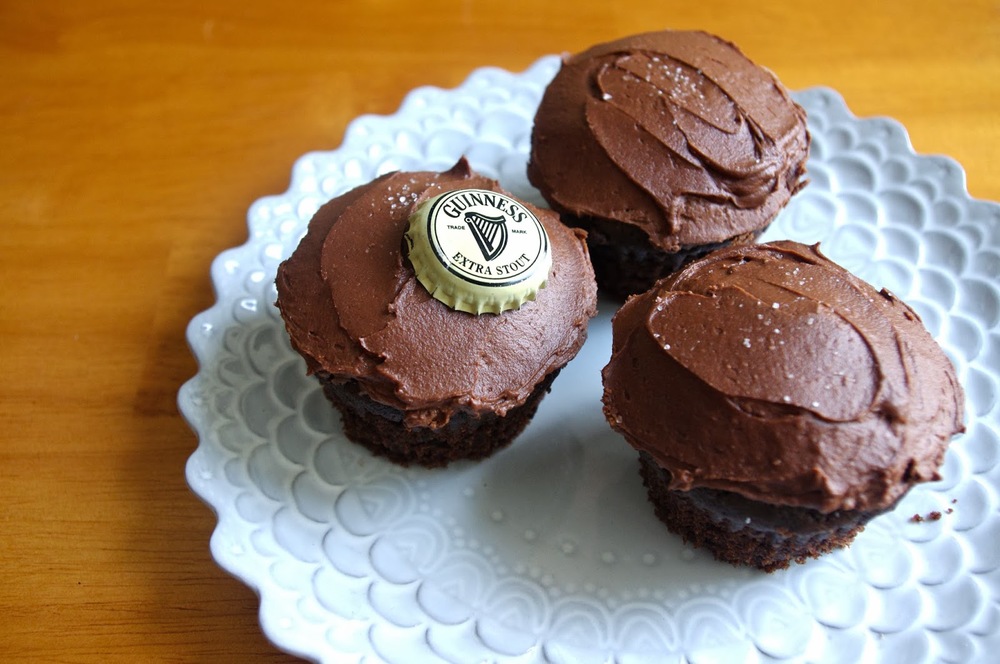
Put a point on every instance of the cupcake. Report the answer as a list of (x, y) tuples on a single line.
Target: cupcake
[(428, 374), (664, 146), (777, 402)]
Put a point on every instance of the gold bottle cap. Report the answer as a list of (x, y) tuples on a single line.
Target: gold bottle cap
[(478, 251)]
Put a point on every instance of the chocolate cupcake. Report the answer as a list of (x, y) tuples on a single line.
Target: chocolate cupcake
[(778, 402), (664, 146), (417, 379)]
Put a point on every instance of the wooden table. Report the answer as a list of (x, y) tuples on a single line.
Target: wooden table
[(135, 136)]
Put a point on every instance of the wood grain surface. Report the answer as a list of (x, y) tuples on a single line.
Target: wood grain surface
[(134, 137)]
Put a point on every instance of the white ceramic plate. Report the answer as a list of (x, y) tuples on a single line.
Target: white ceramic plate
[(548, 551)]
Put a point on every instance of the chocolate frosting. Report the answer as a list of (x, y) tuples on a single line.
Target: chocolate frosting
[(354, 309), (771, 372), (677, 133)]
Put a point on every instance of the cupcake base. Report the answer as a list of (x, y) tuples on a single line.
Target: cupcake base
[(469, 436), (745, 532), (626, 263)]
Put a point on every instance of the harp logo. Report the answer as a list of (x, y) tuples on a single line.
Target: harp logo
[(478, 250), (490, 233)]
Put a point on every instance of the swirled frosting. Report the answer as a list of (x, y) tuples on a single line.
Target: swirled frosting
[(771, 372), (354, 309), (677, 133)]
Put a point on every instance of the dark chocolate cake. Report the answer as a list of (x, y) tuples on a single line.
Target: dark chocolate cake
[(663, 146), (778, 402), (415, 379)]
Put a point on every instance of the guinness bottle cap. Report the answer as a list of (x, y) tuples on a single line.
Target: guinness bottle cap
[(478, 251)]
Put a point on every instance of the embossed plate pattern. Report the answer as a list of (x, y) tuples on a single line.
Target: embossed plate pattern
[(548, 552)]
